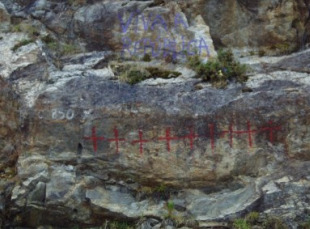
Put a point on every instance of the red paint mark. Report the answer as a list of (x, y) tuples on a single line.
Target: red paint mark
[(116, 139), (271, 130), (168, 138), (249, 132), (140, 141), (94, 138), (211, 128), (230, 132), (191, 136)]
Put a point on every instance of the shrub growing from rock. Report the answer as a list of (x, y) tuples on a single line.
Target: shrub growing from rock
[(219, 71)]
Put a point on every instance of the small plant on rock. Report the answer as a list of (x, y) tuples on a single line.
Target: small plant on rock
[(220, 70), (170, 208), (22, 43), (241, 224), (252, 218)]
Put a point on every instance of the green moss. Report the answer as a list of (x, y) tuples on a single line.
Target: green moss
[(220, 70), (22, 43)]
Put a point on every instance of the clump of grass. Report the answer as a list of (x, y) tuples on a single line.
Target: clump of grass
[(61, 48), (22, 43), (134, 74), (68, 49), (241, 224), (252, 218), (282, 48), (219, 71), (170, 208)]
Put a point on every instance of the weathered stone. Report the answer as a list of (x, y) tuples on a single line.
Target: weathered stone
[(85, 149)]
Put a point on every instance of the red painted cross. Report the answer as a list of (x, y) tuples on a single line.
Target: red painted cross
[(94, 138), (191, 136), (271, 130), (116, 139), (140, 141), (249, 132), (168, 138)]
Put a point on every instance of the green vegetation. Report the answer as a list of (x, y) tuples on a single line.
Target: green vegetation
[(170, 208), (273, 222), (61, 48), (161, 188), (133, 74), (22, 43), (252, 218), (241, 224), (220, 70), (282, 48), (25, 27)]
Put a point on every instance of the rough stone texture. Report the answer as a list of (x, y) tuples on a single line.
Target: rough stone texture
[(231, 151), (261, 24), (4, 17), (9, 148), (61, 173)]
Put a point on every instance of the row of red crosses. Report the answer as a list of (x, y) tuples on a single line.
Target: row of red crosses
[(191, 137)]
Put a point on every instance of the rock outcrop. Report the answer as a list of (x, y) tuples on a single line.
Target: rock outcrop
[(82, 148)]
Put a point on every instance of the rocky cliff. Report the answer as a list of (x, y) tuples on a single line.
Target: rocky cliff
[(106, 124)]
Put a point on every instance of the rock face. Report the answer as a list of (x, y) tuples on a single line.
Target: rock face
[(268, 25), (86, 148)]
